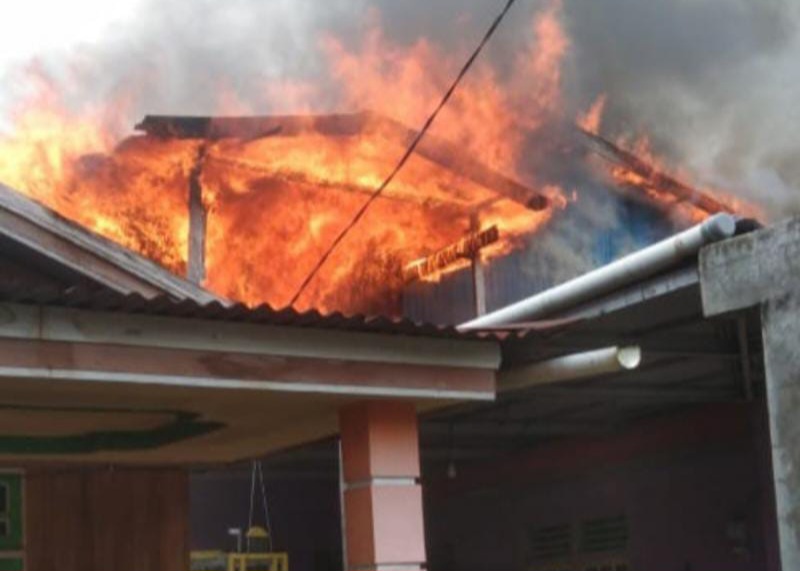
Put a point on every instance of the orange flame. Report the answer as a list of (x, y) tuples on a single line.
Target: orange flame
[(276, 203), (657, 179), (590, 120)]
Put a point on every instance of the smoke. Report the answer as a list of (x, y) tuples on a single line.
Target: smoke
[(714, 82)]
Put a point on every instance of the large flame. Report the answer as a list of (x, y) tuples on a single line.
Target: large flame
[(276, 203)]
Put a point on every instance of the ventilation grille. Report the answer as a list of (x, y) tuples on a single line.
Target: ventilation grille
[(551, 542), (604, 534)]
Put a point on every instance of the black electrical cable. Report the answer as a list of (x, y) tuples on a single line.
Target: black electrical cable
[(407, 154)]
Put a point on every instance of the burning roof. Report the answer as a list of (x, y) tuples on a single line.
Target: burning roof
[(33, 236), (246, 205), (276, 189)]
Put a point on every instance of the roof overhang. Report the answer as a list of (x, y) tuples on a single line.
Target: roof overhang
[(65, 244), (223, 390)]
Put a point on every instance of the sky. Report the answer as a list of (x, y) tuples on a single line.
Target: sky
[(715, 82), (36, 27)]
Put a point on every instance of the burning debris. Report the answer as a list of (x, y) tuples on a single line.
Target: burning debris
[(630, 170), (465, 249)]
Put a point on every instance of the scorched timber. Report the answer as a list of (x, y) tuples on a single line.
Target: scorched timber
[(651, 177), (465, 249), (435, 150), (198, 220)]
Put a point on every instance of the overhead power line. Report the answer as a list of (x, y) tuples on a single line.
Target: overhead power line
[(409, 151)]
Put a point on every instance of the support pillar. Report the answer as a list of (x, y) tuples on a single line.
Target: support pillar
[(760, 269), (780, 319), (382, 494)]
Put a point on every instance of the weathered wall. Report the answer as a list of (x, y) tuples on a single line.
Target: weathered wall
[(687, 485), (761, 269), (589, 233), (684, 481), (106, 520)]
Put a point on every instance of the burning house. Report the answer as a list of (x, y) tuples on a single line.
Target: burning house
[(556, 428), (541, 347)]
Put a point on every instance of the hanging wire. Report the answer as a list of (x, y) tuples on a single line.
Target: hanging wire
[(409, 151), (258, 471), (252, 504), (266, 510)]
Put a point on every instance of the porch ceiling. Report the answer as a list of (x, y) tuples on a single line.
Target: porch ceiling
[(688, 360), (109, 386)]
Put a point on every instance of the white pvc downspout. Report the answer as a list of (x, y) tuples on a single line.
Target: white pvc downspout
[(639, 265), (570, 368)]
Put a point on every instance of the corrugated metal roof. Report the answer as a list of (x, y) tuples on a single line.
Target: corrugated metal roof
[(65, 243), (105, 299)]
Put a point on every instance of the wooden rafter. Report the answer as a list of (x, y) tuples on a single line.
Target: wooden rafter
[(652, 177), (436, 150)]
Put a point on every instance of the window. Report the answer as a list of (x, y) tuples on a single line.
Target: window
[(598, 544), (604, 534), (551, 542)]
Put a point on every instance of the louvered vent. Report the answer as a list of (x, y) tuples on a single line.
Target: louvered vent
[(604, 534), (551, 542)]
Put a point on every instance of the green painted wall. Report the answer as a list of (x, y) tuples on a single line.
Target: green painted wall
[(11, 524)]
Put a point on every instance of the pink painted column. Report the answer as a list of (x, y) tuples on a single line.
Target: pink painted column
[(382, 495)]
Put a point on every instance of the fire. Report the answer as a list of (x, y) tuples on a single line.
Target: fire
[(275, 203), (634, 165), (68, 162), (277, 200), (591, 119)]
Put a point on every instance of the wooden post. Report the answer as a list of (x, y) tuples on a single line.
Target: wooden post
[(478, 277), (198, 217)]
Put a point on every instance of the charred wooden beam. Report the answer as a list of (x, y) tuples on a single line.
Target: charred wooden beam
[(652, 178), (454, 158), (198, 218), (478, 277), (250, 127), (435, 150), (465, 249)]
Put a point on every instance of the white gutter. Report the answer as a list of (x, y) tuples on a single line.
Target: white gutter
[(570, 368), (642, 264)]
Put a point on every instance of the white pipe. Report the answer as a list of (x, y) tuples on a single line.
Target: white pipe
[(570, 368), (644, 263)]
